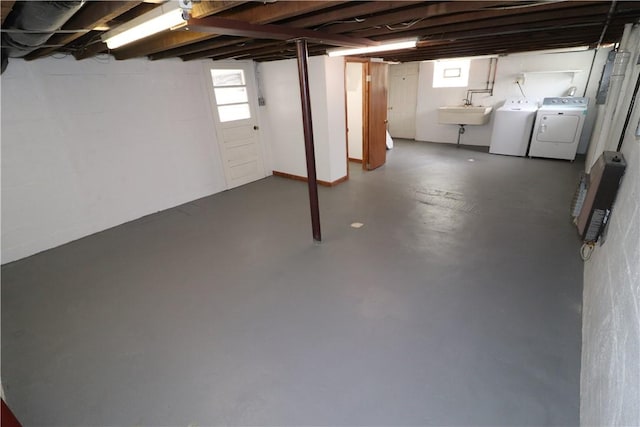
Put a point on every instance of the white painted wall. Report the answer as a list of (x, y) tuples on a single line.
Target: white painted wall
[(92, 144), (354, 108), (284, 114), (336, 117), (610, 374), (537, 86)]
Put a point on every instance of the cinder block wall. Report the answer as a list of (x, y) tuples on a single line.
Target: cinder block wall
[(610, 375)]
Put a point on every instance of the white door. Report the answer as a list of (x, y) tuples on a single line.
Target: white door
[(403, 91), (233, 100)]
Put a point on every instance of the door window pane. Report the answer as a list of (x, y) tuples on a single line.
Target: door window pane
[(228, 77), (229, 113), (231, 95)]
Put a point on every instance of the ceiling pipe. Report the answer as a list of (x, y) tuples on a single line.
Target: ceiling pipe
[(39, 20)]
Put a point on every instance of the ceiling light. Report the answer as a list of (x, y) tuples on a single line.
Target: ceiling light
[(407, 44), (550, 51), (464, 58), (169, 15)]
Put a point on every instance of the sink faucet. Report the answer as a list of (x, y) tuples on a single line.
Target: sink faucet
[(467, 102)]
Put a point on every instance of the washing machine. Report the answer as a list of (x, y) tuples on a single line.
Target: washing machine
[(512, 125), (558, 126)]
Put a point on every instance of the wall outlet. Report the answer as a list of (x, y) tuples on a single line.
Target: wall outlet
[(519, 79)]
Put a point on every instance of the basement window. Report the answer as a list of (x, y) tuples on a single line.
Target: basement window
[(453, 73), (230, 91)]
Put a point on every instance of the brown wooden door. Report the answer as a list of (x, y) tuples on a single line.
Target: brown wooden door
[(376, 145)]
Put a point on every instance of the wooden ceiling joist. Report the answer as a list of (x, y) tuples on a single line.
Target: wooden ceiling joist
[(339, 12), (233, 27), (351, 10), (230, 51), (426, 11), (501, 46), (255, 14), (488, 19), (469, 28), (205, 46), (230, 29)]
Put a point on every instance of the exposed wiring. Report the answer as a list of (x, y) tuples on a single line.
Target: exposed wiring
[(404, 25), (521, 91), (350, 21), (523, 5), (586, 250), (629, 112)]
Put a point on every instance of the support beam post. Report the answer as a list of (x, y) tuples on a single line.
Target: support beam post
[(303, 74)]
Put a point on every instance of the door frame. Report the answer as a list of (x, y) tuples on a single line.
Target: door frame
[(252, 94), (365, 109)]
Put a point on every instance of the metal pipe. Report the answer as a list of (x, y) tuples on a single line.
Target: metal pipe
[(486, 86), (612, 9), (36, 22), (491, 81), (595, 51), (303, 75), (593, 61), (628, 118)]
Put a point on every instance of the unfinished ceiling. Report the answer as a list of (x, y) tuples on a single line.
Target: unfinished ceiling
[(445, 29)]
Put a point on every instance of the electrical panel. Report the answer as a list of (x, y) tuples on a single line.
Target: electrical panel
[(595, 196)]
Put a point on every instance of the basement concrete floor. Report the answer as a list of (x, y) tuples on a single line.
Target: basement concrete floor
[(457, 303)]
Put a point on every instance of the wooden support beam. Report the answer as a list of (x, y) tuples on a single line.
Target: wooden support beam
[(487, 33), (233, 27), (93, 14), (303, 76), (207, 48), (259, 14)]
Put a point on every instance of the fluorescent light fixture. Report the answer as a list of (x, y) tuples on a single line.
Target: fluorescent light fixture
[(551, 51), (168, 15), (408, 44), (464, 58)]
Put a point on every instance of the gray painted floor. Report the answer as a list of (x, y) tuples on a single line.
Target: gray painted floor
[(457, 303)]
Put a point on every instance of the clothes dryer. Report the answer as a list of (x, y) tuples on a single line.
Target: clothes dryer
[(558, 126)]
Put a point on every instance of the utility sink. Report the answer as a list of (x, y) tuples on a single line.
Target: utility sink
[(464, 115)]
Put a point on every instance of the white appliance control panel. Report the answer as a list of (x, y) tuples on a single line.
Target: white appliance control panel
[(566, 101)]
